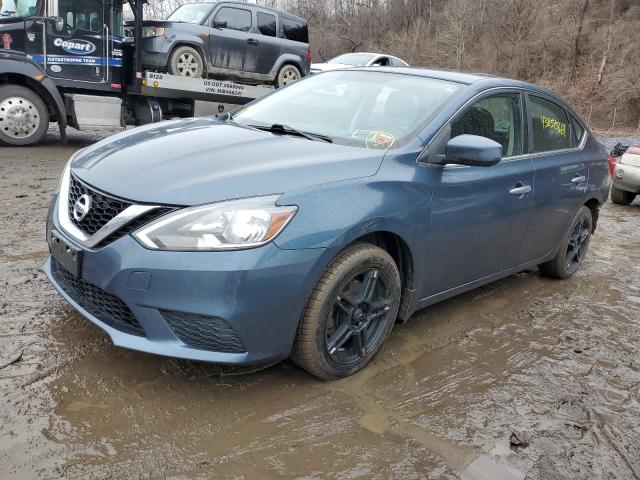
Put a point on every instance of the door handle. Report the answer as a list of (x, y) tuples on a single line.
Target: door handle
[(579, 179), (253, 42), (521, 190)]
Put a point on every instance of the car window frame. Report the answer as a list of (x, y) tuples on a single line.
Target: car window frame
[(567, 111), (266, 12), (460, 111), (216, 11)]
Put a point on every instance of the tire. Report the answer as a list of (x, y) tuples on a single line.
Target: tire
[(621, 197), (286, 75), (24, 118), (186, 62), (340, 332), (573, 248)]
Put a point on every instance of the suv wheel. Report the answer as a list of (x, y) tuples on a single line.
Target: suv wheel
[(350, 313), (621, 197), (186, 62), (287, 74), (573, 249), (24, 118)]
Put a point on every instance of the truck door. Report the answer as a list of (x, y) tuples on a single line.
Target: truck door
[(230, 40), (76, 46)]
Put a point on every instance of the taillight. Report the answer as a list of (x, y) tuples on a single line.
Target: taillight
[(309, 54), (612, 165)]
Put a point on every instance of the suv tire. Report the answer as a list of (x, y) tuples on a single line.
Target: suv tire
[(24, 118), (621, 197), (350, 313), (287, 74), (186, 62)]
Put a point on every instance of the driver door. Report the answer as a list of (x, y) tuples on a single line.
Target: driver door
[(78, 50), (231, 43)]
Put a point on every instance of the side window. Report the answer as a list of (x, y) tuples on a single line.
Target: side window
[(497, 117), (396, 62), (578, 130), (85, 15), (267, 24), (549, 125), (294, 30), (236, 18)]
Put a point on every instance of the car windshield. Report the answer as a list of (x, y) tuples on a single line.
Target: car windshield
[(191, 13), (364, 109), (355, 59), (18, 8)]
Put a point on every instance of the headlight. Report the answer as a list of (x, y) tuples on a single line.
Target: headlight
[(152, 31), (233, 225)]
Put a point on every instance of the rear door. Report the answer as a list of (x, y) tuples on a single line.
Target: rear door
[(230, 42), (561, 176), (268, 44), (78, 51), (480, 214)]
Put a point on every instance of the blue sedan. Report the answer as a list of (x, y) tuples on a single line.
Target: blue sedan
[(308, 222)]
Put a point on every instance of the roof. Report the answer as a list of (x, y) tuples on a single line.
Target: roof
[(262, 7)]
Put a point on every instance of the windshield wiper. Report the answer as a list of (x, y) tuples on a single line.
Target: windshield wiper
[(287, 130)]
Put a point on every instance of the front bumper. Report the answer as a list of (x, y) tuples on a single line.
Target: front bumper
[(247, 302), (155, 52), (627, 177)]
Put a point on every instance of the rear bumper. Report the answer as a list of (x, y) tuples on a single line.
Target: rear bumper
[(626, 177), (249, 301)]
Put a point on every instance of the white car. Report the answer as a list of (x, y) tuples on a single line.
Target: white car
[(358, 59), (626, 177)]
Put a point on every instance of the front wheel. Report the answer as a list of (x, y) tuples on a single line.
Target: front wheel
[(24, 118), (621, 197), (573, 249), (350, 313), (287, 74), (186, 62)]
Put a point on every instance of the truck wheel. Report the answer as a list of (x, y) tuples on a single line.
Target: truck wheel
[(24, 118), (349, 314), (573, 249), (186, 62), (287, 74), (621, 197)]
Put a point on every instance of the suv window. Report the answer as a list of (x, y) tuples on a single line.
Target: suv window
[(267, 24), (578, 130), (497, 117), (236, 18), (549, 125), (295, 30)]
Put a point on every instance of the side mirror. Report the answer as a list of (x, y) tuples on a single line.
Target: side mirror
[(57, 22), (473, 150), (219, 23)]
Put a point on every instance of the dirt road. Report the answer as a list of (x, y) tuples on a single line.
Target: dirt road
[(525, 378)]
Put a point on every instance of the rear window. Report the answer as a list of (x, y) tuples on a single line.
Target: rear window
[(578, 130), (295, 30), (267, 24), (550, 125)]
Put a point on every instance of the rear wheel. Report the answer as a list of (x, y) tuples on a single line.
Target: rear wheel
[(24, 118), (350, 313), (621, 197), (287, 74), (573, 249), (186, 62)]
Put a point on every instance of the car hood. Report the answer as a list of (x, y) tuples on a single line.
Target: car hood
[(196, 161), (326, 67)]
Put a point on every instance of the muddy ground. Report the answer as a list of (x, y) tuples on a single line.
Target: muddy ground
[(525, 378)]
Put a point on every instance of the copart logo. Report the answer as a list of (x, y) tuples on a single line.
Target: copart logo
[(75, 47)]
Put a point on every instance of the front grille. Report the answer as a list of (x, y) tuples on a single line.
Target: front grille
[(204, 331), (103, 207), (102, 305)]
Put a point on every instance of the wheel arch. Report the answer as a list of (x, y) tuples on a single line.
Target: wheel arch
[(189, 43), (287, 59), (594, 205), (25, 74)]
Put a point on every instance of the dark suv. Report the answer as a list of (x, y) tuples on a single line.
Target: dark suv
[(228, 39)]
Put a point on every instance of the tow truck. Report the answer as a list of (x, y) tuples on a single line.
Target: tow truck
[(69, 62)]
